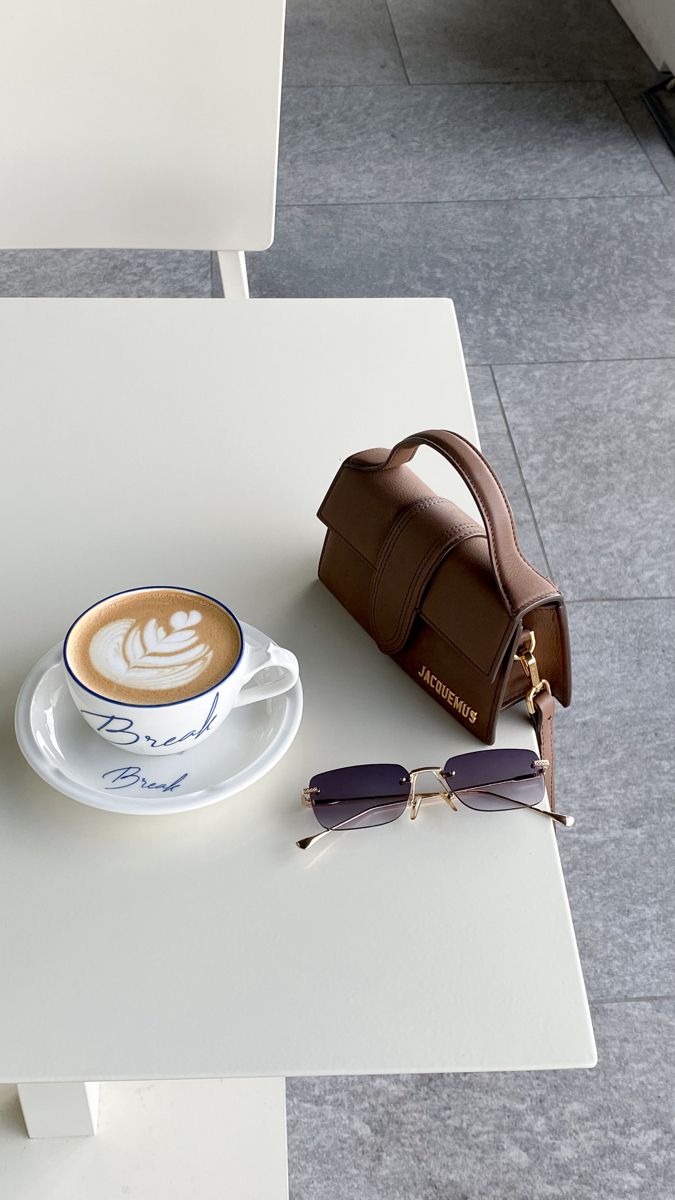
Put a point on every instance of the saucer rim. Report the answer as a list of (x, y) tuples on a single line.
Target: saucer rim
[(91, 797)]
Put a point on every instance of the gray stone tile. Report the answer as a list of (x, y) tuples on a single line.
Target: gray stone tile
[(622, 896), (617, 739), (450, 41), (615, 750), (498, 448), (627, 96), (105, 273), (499, 141), (348, 42), (597, 446), (558, 1135), (532, 280)]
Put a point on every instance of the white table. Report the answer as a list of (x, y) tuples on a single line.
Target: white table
[(191, 442)]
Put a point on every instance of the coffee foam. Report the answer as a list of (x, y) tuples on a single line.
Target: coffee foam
[(153, 647)]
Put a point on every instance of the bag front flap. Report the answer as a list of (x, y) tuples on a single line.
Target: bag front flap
[(428, 557)]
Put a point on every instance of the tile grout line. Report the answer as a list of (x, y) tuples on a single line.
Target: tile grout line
[(630, 999), (457, 83), (607, 196), (398, 47), (571, 362), (635, 137), (615, 599), (520, 471)]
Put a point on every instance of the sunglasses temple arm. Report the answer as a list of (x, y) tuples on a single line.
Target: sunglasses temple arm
[(546, 812), (306, 842), (543, 812)]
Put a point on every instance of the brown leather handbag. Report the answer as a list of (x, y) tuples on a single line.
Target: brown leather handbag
[(455, 603)]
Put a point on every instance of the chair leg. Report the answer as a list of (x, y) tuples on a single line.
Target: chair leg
[(232, 264), (59, 1109)]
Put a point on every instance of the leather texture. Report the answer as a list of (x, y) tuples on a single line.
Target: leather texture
[(449, 599)]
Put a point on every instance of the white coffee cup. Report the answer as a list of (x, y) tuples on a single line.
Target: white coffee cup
[(174, 727)]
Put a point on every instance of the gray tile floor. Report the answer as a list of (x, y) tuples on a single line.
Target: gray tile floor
[(519, 173), (497, 152)]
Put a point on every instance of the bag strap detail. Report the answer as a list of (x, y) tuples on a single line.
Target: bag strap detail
[(525, 656), (520, 585), (541, 707), (542, 719)]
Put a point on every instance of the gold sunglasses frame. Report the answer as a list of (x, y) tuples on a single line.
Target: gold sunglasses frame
[(415, 799)]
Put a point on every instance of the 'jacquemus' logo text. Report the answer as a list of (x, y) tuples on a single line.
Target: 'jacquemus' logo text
[(451, 698)]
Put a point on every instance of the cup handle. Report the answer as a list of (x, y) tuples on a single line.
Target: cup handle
[(262, 657)]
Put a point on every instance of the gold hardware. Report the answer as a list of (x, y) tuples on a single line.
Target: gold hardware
[(529, 664), (415, 798), (530, 649)]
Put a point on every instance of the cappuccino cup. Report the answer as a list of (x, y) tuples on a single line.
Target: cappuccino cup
[(156, 670)]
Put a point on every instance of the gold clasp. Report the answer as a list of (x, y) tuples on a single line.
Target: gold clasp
[(529, 664)]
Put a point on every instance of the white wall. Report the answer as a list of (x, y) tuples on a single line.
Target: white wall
[(653, 23)]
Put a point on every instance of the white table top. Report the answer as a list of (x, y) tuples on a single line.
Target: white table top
[(191, 442)]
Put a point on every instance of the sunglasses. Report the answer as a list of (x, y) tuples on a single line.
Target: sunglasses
[(378, 793)]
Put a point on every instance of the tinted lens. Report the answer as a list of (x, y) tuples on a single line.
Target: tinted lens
[(496, 780), (359, 797)]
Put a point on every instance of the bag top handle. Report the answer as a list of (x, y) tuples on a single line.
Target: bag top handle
[(519, 583)]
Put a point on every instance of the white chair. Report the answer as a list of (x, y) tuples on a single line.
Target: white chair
[(149, 124)]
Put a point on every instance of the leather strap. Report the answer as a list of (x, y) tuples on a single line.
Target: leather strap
[(544, 711), (520, 585), (397, 591)]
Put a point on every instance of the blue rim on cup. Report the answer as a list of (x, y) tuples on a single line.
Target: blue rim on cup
[(153, 587)]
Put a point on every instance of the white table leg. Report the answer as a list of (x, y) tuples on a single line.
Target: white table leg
[(56, 1110), (232, 265), (159, 1140)]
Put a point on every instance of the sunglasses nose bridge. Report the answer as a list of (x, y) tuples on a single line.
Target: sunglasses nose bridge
[(447, 790), (415, 799)]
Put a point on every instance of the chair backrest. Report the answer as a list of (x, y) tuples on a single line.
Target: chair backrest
[(139, 123)]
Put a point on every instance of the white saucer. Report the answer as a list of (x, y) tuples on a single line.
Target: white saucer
[(70, 756)]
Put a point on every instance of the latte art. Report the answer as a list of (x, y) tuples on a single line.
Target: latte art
[(153, 646), (150, 657)]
